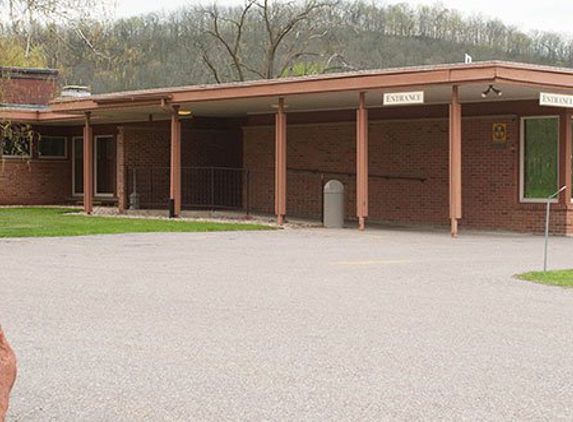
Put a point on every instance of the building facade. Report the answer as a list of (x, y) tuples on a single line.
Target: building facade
[(478, 146)]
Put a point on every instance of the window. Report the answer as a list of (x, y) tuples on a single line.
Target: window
[(52, 147), (539, 158), (15, 147)]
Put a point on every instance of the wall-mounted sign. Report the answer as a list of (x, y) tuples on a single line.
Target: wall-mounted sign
[(403, 98), (555, 100), (499, 133)]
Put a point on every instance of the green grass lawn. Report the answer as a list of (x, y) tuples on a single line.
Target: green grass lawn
[(562, 278), (51, 222)]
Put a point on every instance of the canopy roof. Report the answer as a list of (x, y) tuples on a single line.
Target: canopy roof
[(517, 81)]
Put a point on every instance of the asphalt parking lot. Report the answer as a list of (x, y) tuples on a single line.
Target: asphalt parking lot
[(287, 325)]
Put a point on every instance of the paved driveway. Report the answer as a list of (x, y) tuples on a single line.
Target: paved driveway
[(294, 325)]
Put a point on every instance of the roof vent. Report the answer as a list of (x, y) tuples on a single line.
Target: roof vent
[(75, 91)]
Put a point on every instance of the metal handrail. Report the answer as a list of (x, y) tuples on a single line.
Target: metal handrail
[(297, 170), (379, 176), (218, 187)]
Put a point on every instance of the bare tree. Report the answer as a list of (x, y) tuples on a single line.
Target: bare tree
[(264, 39)]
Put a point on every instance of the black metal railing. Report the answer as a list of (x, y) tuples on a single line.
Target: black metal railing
[(201, 187), (249, 190), (212, 187)]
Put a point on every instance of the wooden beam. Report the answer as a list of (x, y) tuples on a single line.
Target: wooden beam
[(280, 162), (175, 173), (362, 162), (88, 165), (455, 161)]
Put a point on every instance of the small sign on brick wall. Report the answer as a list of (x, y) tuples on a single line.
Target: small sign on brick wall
[(499, 133)]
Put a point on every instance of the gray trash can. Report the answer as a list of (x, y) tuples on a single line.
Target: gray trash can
[(333, 205)]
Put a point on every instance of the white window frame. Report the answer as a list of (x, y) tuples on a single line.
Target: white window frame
[(54, 157), (522, 197), (17, 157)]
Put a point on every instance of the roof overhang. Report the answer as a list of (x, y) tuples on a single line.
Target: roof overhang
[(521, 81), (360, 81), (37, 116)]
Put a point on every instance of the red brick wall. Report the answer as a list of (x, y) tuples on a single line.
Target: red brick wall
[(145, 155), (203, 144), (42, 181), (148, 145), (398, 148), (413, 148), (145, 146), (37, 183), (22, 86), (491, 182)]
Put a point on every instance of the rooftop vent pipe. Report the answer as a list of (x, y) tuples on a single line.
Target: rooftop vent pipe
[(75, 91)]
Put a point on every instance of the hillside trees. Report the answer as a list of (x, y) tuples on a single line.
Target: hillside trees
[(270, 38), (14, 52), (23, 17)]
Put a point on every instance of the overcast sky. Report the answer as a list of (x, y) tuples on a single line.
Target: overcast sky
[(549, 15)]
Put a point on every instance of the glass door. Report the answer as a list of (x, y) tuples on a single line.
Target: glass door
[(105, 171), (104, 165), (78, 165)]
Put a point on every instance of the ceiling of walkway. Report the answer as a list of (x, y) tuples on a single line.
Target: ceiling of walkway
[(434, 95)]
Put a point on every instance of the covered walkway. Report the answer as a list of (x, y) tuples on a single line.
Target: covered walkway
[(481, 145)]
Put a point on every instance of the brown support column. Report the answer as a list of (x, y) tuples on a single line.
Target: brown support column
[(280, 162), (88, 165), (455, 161), (362, 162), (175, 182), (121, 171), (565, 152)]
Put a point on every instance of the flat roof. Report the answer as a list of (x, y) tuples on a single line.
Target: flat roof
[(383, 80), (29, 72), (345, 76)]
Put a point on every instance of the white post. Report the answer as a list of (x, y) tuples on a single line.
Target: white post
[(547, 216)]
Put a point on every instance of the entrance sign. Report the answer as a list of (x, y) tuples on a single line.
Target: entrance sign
[(555, 100), (403, 98)]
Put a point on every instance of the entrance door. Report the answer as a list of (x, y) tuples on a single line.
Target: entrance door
[(78, 165), (105, 173), (104, 165)]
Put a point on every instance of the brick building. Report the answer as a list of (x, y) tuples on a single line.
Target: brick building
[(480, 145)]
